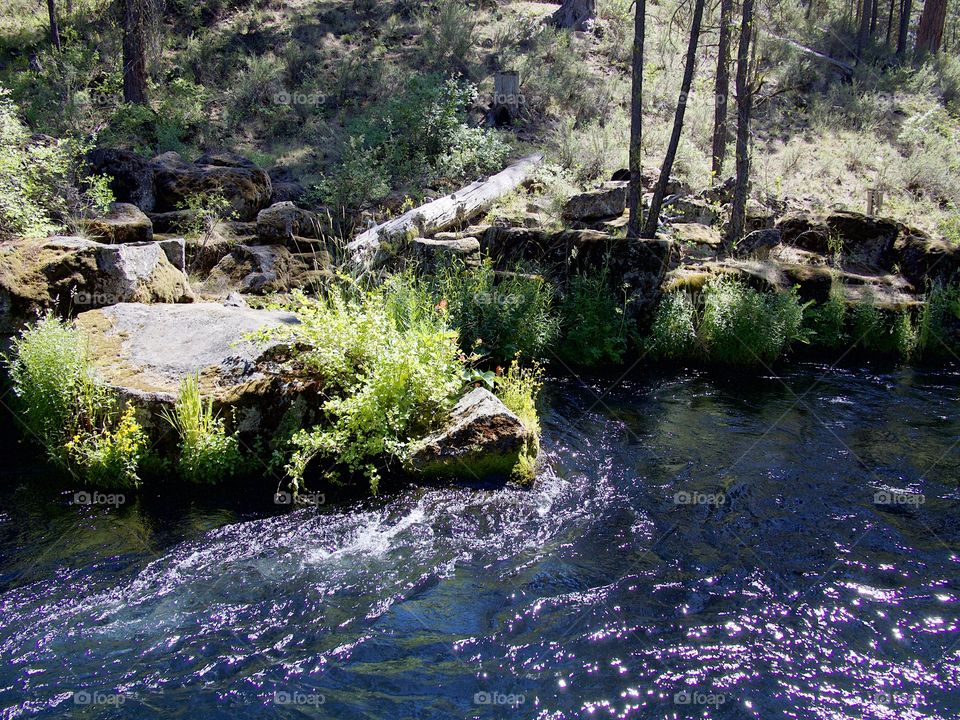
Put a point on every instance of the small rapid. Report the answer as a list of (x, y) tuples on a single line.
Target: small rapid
[(695, 546)]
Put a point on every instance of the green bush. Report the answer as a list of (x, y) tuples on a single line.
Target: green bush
[(358, 179), (518, 388), (68, 412), (741, 326), (208, 454), (673, 335), (882, 333), (34, 177), (939, 326), (826, 324), (593, 323), (390, 367), (498, 318)]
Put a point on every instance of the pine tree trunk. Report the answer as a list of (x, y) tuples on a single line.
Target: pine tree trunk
[(134, 53), (866, 13), (653, 218), (906, 10), (890, 23), (54, 27), (636, 124), (722, 89), (738, 213), (932, 21)]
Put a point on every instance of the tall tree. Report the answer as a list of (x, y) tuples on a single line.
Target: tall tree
[(636, 122), (653, 218), (868, 10), (135, 51), (722, 89), (932, 21), (738, 213), (54, 26), (906, 10), (890, 22)]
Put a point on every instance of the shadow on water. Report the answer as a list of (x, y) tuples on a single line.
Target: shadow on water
[(697, 545)]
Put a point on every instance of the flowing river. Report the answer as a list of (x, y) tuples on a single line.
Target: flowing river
[(697, 545)]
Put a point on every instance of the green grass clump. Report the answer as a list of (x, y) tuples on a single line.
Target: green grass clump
[(518, 389), (208, 454), (593, 323), (882, 333), (939, 325), (826, 324), (391, 370), (498, 317), (67, 411), (673, 335)]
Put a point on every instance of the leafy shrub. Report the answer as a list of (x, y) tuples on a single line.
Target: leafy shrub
[(673, 335), (390, 367), (826, 324), (741, 326), (359, 178), (593, 323), (111, 457), (33, 177), (518, 388), (498, 318), (208, 454), (884, 333)]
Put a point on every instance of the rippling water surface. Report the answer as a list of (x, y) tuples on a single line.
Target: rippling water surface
[(695, 547)]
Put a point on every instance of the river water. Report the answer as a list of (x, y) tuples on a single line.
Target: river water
[(696, 546)]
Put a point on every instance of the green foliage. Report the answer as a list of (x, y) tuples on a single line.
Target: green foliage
[(673, 335), (34, 177), (593, 323), (498, 318), (883, 333), (205, 211), (358, 179), (208, 454), (68, 412), (390, 367), (939, 326), (111, 457), (743, 327), (826, 324), (518, 388)]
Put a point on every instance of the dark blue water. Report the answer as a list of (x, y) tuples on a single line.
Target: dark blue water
[(695, 547)]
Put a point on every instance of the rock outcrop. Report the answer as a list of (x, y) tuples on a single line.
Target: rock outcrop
[(131, 175), (482, 438), (123, 223), (70, 274), (284, 222)]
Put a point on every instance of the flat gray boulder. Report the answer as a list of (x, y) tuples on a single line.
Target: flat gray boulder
[(482, 438), (606, 202)]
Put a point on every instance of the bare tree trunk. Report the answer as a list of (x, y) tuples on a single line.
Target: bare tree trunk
[(653, 218), (906, 9), (738, 213), (134, 52), (874, 16), (722, 89), (809, 9), (54, 27), (890, 23), (932, 21), (636, 123), (866, 13)]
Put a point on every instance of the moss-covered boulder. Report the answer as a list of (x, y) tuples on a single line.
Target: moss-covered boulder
[(122, 223), (482, 438)]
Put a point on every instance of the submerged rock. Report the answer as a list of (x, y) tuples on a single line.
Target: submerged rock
[(482, 438)]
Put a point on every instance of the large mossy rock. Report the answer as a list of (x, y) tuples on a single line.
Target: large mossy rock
[(122, 223), (481, 439), (283, 222), (259, 269), (144, 352), (608, 201), (131, 175), (242, 183), (70, 274)]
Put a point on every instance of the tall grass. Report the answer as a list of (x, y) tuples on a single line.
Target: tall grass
[(518, 388), (593, 322), (208, 454)]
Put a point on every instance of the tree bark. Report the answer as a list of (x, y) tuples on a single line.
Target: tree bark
[(890, 23), (932, 21), (722, 89), (867, 9), (372, 247), (738, 213), (134, 52), (54, 27), (574, 13), (906, 10), (653, 218), (636, 124)]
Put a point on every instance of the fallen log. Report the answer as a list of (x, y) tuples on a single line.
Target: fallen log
[(373, 247)]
